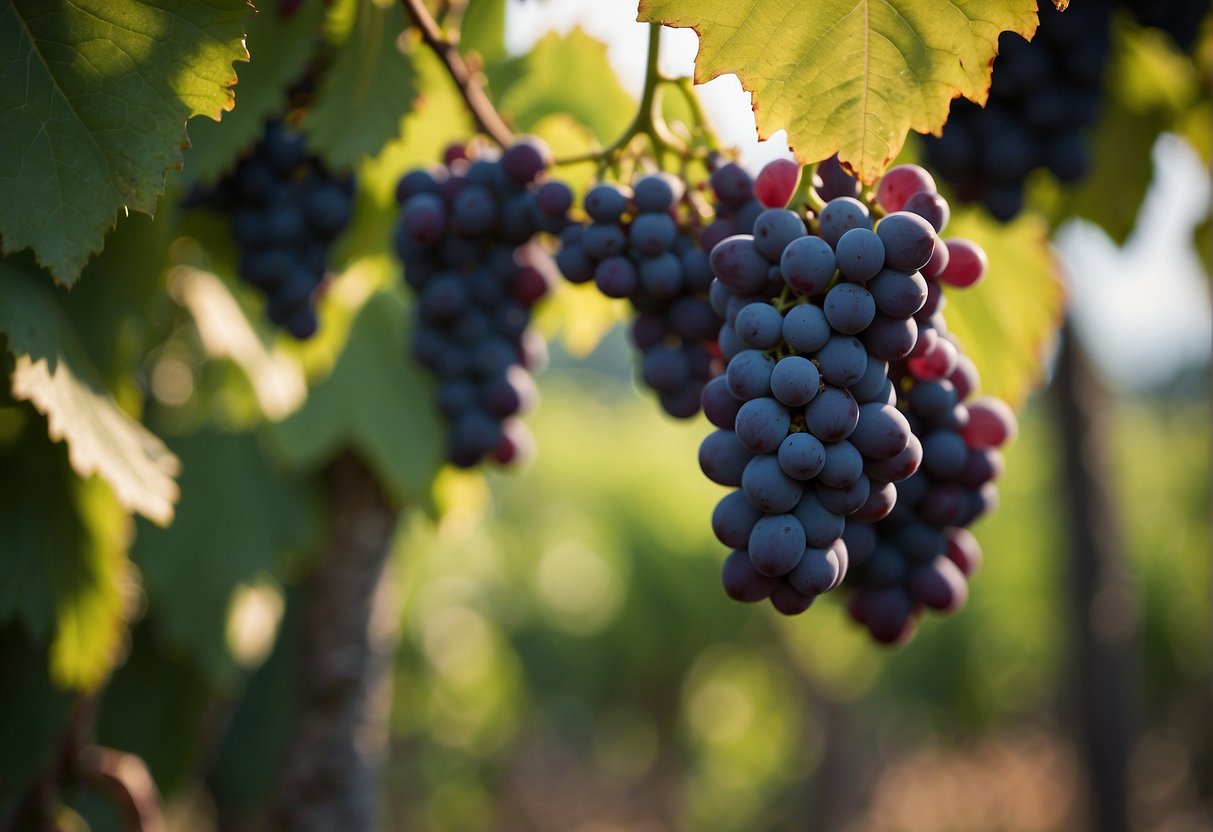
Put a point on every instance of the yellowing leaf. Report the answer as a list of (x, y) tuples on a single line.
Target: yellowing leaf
[(54, 373), (1007, 322), (848, 77)]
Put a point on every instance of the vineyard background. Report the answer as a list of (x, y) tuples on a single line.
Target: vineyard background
[(559, 653)]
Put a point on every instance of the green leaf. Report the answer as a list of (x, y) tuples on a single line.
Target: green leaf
[(483, 30), (119, 308), (33, 712), (63, 574), (569, 74), (56, 375), (152, 708), (1008, 322), (225, 332), (238, 519), (375, 401), (847, 77), (279, 51), (95, 95), (247, 763), (367, 92)]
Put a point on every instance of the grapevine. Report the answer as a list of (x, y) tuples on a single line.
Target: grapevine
[(280, 288), (285, 208)]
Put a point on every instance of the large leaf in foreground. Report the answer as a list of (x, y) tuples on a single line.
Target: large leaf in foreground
[(94, 95), (56, 375), (1008, 322), (847, 77)]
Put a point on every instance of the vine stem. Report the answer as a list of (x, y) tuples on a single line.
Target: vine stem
[(647, 121), (485, 114)]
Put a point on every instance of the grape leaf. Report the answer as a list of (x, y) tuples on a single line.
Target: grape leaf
[(118, 308), (276, 379), (845, 77), (237, 518), (483, 30), (61, 575), (374, 401), (245, 766), (1008, 322), (568, 74), (152, 708), (94, 96), (56, 375), (33, 712), (367, 92), (279, 50)]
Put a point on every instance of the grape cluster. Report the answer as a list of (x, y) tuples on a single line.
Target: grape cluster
[(921, 554), (466, 238), (1044, 97), (286, 208), (642, 243), (823, 321)]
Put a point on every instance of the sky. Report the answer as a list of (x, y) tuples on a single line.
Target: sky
[(1143, 310)]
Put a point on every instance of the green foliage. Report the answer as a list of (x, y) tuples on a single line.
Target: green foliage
[(192, 568), (569, 74), (279, 54), (569, 611), (1150, 89), (247, 760), (96, 95), (482, 30), (56, 375), (63, 565), (370, 403), (152, 707), (33, 711), (847, 77), (1007, 322), (366, 92)]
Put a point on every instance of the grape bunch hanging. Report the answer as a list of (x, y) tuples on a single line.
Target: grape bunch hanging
[(285, 208), (645, 244), (465, 236), (840, 416), (1044, 100)]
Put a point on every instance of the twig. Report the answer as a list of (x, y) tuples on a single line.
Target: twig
[(482, 110)]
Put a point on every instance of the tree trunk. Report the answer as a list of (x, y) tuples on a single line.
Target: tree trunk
[(330, 776), (1102, 600)]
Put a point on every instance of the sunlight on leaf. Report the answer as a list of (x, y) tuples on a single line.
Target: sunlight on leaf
[(1008, 322), (95, 95), (851, 78), (55, 374), (368, 91), (225, 332)]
